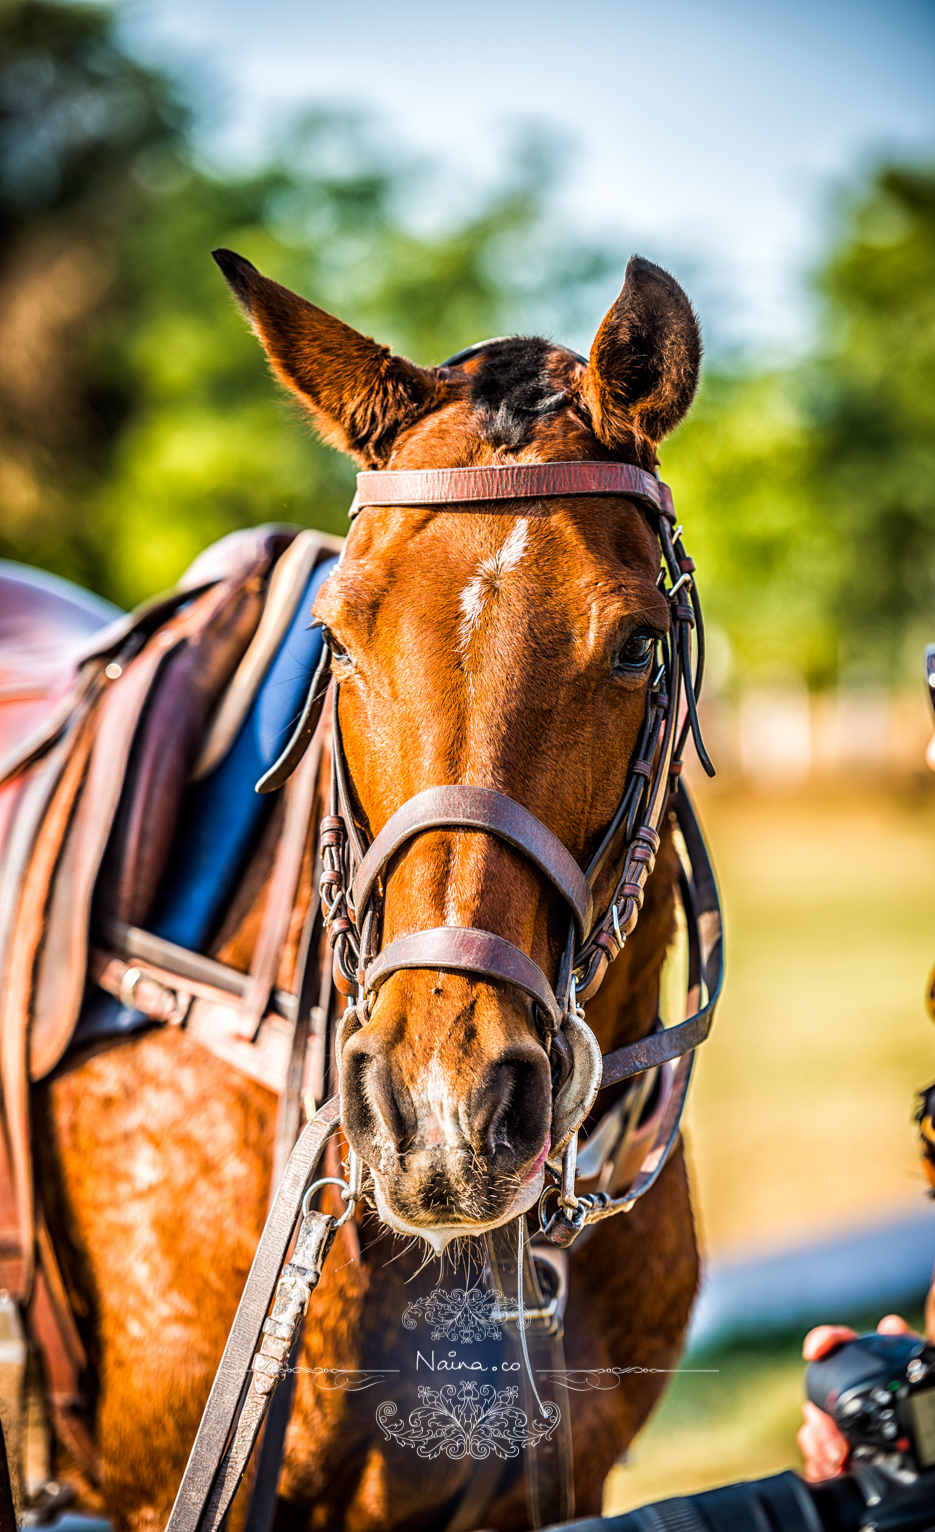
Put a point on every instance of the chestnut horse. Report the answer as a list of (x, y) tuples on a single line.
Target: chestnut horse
[(510, 652)]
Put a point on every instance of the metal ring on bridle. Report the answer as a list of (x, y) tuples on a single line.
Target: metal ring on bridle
[(330, 1181), (546, 1190)]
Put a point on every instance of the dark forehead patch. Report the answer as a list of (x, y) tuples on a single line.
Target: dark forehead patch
[(513, 388)]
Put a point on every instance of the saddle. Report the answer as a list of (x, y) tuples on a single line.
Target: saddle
[(129, 748)]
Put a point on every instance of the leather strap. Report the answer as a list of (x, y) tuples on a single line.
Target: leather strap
[(515, 481), (7, 1508), (706, 962), (131, 942), (341, 794), (466, 950), (220, 1413), (659, 1048), (302, 734), (49, 793), (263, 1494), (704, 920), (307, 981), (462, 807)]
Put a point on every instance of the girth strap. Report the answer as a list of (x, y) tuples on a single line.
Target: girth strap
[(461, 807), (466, 949)]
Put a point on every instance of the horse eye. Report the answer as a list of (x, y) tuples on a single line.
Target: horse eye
[(635, 653), (341, 662)]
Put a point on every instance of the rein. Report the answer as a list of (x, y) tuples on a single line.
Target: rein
[(352, 890)]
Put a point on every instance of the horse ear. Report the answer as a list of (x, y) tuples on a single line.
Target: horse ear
[(357, 392), (645, 360)]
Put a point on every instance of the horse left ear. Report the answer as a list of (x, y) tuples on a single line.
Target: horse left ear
[(645, 360), (358, 393)]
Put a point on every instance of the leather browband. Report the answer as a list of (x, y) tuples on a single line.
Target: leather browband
[(515, 481), (466, 949), (462, 807)]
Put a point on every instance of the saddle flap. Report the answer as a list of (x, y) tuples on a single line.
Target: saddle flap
[(165, 748), (145, 732)]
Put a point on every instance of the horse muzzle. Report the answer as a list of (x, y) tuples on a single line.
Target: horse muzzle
[(457, 1141), (455, 1133)]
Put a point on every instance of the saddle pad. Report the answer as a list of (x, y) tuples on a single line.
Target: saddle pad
[(223, 812), (192, 677), (223, 815), (286, 590)]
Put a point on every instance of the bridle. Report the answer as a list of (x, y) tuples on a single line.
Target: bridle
[(352, 890)]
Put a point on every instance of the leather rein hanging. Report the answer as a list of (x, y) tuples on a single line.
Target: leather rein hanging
[(353, 866)]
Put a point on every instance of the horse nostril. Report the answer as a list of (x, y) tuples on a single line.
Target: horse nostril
[(510, 1110), (373, 1101), (393, 1103)]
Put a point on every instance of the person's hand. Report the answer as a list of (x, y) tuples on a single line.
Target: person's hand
[(820, 1442)]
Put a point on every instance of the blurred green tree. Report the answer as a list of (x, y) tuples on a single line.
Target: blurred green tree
[(742, 472), (155, 426), (810, 491), (76, 118), (872, 408)]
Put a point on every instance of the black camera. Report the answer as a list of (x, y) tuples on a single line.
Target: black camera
[(880, 1391)]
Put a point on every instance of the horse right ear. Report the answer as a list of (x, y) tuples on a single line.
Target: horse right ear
[(359, 395), (645, 362)]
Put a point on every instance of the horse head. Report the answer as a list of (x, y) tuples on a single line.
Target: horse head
[(506, 647)]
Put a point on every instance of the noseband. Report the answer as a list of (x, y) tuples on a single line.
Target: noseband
[(352, 888)]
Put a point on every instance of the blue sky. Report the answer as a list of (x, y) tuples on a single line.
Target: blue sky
[(707, 134)]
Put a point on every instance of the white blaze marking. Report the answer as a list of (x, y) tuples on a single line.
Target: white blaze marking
[(435, 1114), (488, 581)]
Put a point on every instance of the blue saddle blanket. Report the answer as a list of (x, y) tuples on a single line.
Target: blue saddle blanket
[(223, 815)]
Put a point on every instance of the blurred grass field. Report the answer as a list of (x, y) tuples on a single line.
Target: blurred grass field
[(738, 1422), (800, 1118)]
